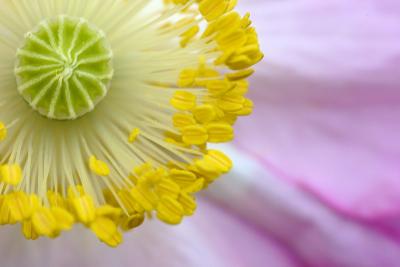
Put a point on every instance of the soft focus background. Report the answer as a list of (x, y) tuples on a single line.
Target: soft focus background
[(317, 175)]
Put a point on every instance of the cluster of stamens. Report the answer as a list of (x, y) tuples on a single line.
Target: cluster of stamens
[(178, 83)]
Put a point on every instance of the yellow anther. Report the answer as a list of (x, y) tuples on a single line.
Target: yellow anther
[(239, 62), (187, 78), (56, 200), (84, 208), (231, 103), (239, 75), (182, 119), (76, 191), (212, 9), (247, 108), (219, 159), (224, 57), (143, 169), (252, 51), (34, 202), (152, 177), (241, 88), (204, 113), (50, 221), (44, 223), (128, 201), (169, 210), (10, 174), (231, 4), (188, 204), (106, 230), (195, 187), (213, 164), (230, 118), (64, 219), (194, 135), (143, 197), (245, 57), (182, 177), (219, 112), (175, 142), (167, 187), (109, 212), (182, 2), (219, 132), (208, 73), (245, 22), (3, 131), (134, 135), (232, 40), (131, 222), (209, 30), (228, 22), (5, 212), (20, 206), (29, 231), (183, 100), (219, 87), (98, 167)]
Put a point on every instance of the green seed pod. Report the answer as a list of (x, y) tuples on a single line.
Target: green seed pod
[(64, 68)]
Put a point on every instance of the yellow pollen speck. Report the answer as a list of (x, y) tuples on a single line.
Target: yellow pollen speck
[(134, 135), (98, 167), (11, 174), (3, 131)]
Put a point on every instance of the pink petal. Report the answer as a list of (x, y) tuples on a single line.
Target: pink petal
[(213, 237), (330, 37), (328, 102), (314, 234)]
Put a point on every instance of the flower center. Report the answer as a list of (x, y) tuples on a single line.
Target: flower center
[(64, 67)]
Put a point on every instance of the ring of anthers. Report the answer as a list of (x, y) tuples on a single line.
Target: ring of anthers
[(111, 107)]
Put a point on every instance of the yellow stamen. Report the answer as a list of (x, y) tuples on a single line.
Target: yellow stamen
[(183, 88)]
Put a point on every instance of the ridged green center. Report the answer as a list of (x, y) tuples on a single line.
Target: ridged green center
[(64, 68)]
